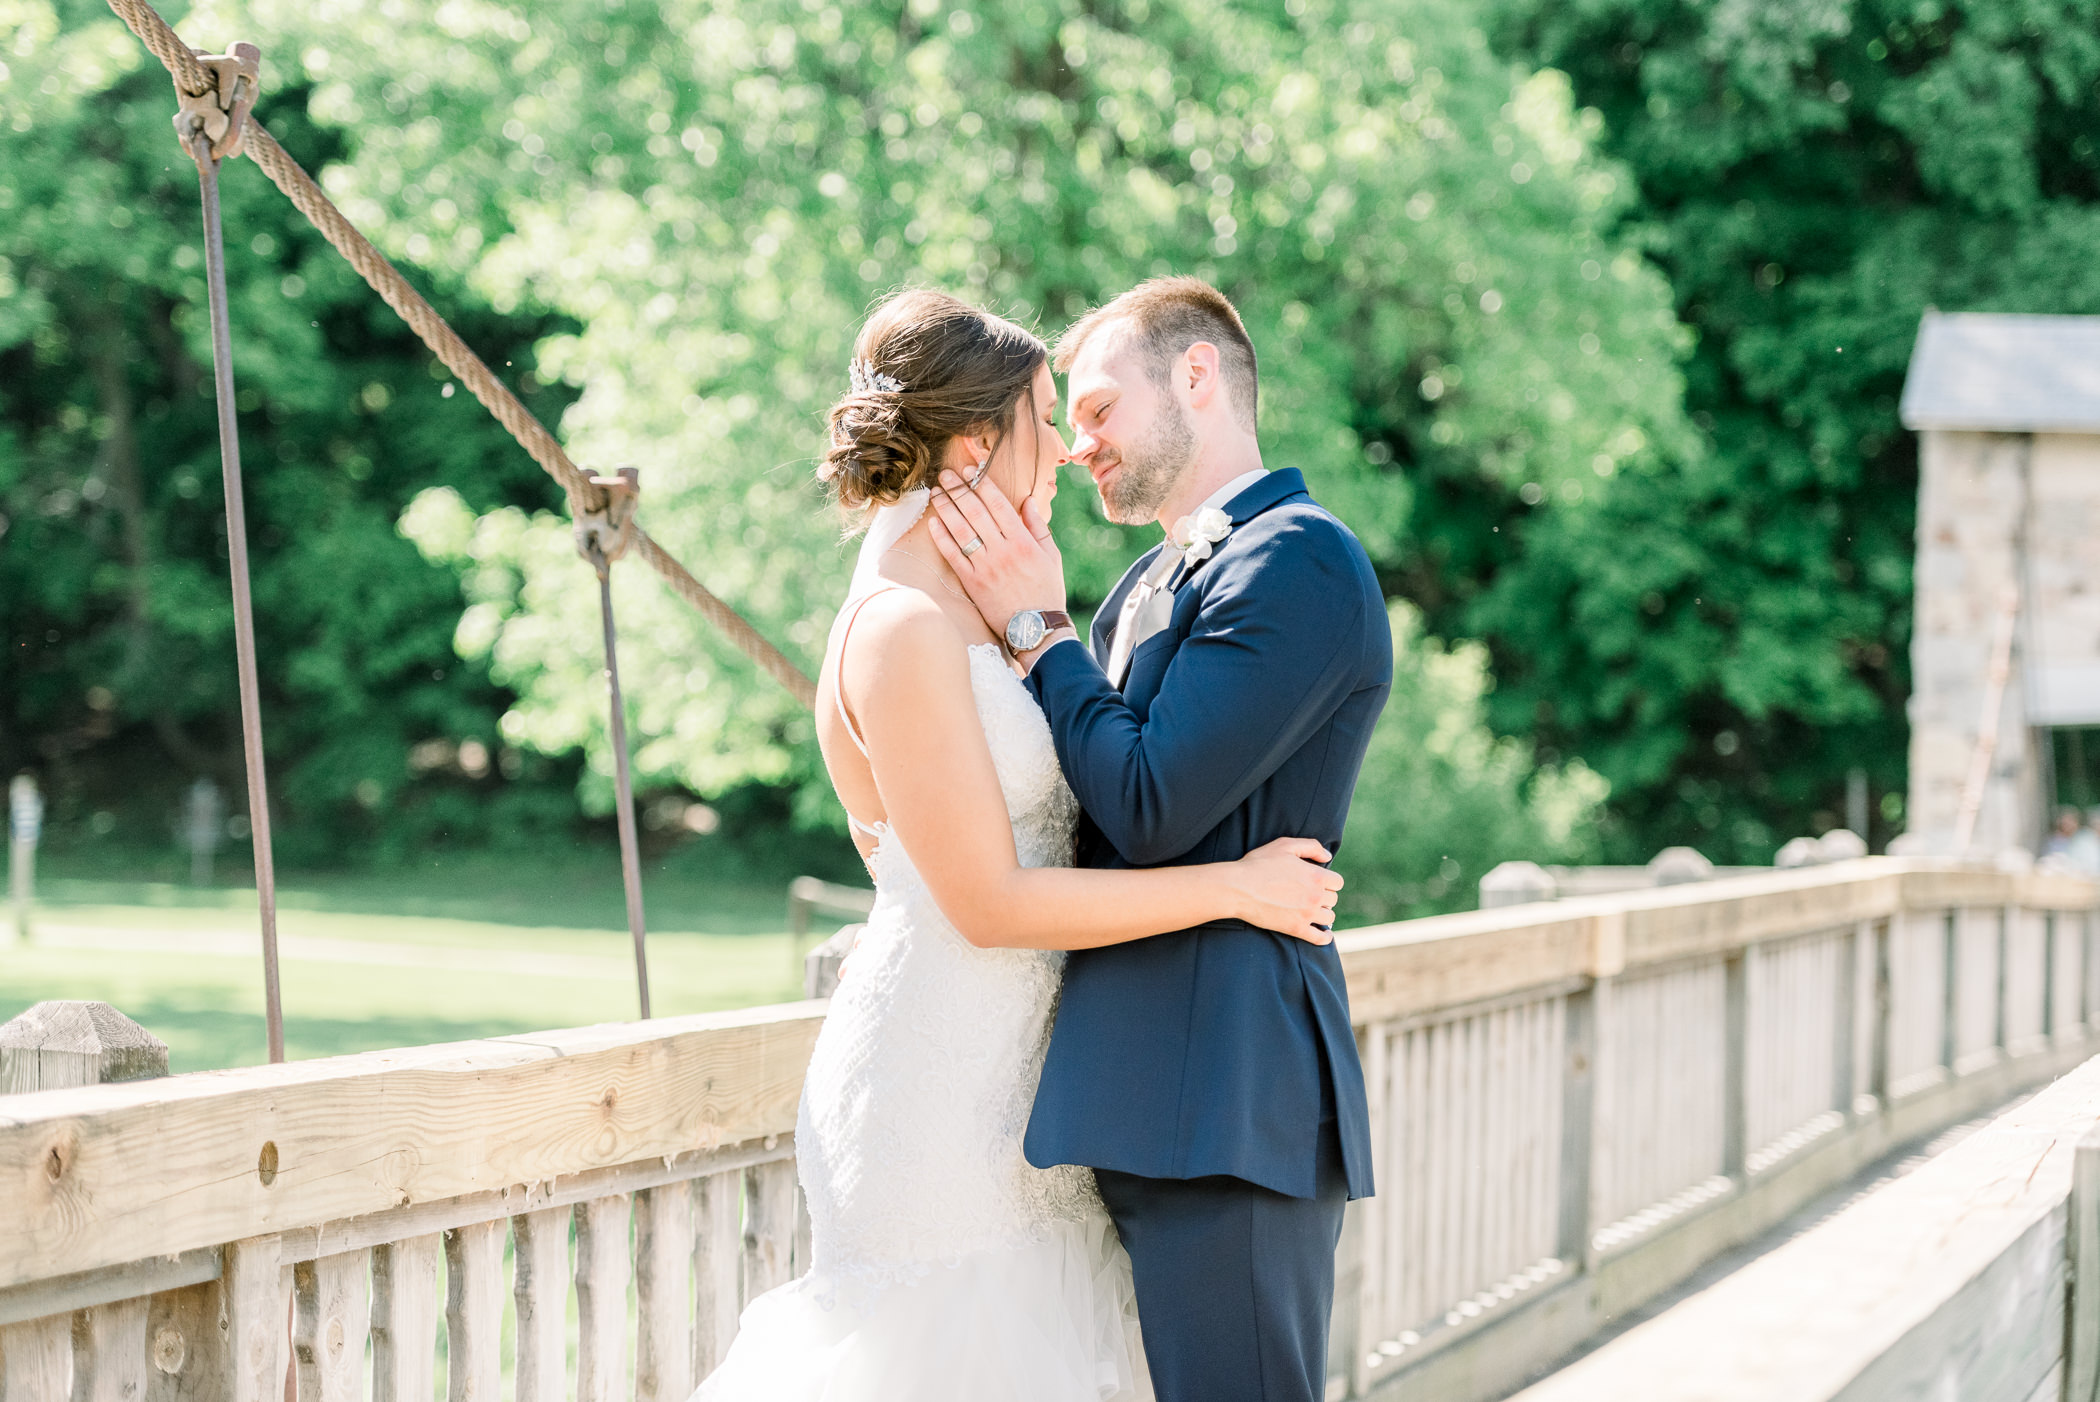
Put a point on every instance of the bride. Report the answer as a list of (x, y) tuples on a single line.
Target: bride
[(946, 1269)]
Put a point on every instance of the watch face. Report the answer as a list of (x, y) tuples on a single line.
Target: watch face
[(1025, 630)]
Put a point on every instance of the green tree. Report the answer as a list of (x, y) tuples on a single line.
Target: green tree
[(1419, 232), (119, 672), (1414, 228), (1725, 640), (1444, 798)]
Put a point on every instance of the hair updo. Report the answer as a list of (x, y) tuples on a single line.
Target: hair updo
[(962, 370)]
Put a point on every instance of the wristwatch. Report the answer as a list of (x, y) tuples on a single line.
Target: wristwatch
[(1026, 630)]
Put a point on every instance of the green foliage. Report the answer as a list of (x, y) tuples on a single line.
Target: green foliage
[(118, 670), (710, 196), (1442, 799), (1413, 227), (1725, 640)]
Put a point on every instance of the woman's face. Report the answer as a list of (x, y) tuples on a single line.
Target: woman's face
[(1026, 461)]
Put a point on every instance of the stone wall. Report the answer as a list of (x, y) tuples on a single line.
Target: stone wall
[(1997, 509)]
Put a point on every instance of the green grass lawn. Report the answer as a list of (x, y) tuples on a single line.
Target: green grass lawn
[(468, 948)]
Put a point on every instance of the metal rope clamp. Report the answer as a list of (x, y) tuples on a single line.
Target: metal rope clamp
[(603, 535), (220, 112)]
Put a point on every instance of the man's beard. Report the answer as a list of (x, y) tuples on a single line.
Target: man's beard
[(1147, 471)]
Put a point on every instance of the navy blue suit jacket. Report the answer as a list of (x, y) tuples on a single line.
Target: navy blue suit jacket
[(1216, 1050)]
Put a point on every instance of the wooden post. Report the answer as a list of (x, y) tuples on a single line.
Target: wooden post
[(1359, 1309), (58, 1046), (1844, 1087), (1884, 1003), (1950, 1015), (36, 1360), (540, 1282), (474, 1312), (602, 1276), (109, 1352), (2050, 967), (405, 1319), (769, 1226), (820, 967), (718, 1264), (2001, 1024), (332, 1323), (1578, 1128), (256, 1303), (1735, 1063), (663, 1263), (2082, 1307), (2088, 968)]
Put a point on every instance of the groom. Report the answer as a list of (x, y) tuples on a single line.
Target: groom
[(1209, 1077)]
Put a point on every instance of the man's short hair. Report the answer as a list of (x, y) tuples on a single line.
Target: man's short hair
[(1163, 317)]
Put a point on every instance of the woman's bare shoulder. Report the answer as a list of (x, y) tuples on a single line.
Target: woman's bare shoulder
[(900, 634)]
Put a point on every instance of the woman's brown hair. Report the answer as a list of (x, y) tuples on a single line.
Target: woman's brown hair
[(928, 368)]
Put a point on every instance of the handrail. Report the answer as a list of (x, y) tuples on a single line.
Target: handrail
[(1535, 1173), (1948, 1282)]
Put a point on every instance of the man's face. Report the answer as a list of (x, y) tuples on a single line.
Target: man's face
[(1133, 438)]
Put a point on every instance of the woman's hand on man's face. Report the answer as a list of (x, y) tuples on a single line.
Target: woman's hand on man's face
[(1005, 558)]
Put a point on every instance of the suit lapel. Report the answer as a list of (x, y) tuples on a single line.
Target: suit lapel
[(1157, 612)]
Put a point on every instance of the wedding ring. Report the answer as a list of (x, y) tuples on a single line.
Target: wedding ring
[(971, 547)]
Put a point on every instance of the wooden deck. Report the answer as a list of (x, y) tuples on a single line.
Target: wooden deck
[(1574, 1105)]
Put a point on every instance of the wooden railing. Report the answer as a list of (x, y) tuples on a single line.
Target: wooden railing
[(1577, 1103), (1574, 1104), (1975, 1277)]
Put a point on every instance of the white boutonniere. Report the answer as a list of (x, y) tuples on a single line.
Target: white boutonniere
[(1202, 531)]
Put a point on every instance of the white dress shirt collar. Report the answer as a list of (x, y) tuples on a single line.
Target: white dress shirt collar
[(1218, 498)]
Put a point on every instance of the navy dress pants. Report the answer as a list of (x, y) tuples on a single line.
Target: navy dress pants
[(1235, 1282)]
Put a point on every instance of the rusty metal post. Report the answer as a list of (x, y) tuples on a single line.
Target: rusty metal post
[(200, 148), (623, 783)]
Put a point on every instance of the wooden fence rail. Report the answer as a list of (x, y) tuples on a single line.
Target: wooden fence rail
[(1972, 1278), (1574, 1104)]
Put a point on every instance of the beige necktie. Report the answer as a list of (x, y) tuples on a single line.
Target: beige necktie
[(1126, 638)]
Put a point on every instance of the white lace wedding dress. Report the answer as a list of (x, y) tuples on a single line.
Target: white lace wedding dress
[(945, 1268)]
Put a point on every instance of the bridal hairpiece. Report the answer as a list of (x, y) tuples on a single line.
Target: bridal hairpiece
[(868, 380)]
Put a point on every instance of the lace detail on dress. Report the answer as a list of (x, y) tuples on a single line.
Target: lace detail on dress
[(920, 1086)]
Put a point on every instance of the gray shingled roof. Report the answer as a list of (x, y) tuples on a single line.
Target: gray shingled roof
[(2015, 374)]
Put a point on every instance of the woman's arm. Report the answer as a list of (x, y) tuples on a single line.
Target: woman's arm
[(907, 681)]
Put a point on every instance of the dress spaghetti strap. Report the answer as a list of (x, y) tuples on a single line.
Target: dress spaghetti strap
[(841, 629)]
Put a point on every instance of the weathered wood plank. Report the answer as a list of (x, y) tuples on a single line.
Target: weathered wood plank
[(1367, 1223), (541, 1287), (404, 1320), (57, 1045), (769, 1227), (253, 1292), (332, 1320), (718, 1267), (189, 1354), (36, 1360), (1937, 1284), (474, 1312), (2082, 1233), (361, 1134), (601, 1299), (663, 1256), (65, 1293), (1444, 961), (428, 1218), (109, 1352)]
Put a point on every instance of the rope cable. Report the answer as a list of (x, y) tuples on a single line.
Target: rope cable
[(192, 78)]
